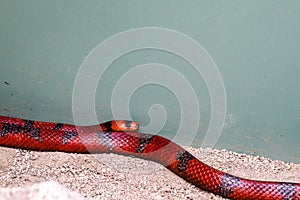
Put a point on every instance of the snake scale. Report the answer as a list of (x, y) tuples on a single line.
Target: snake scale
[(120, 137)]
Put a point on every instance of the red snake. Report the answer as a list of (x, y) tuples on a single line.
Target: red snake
[(120, 137)]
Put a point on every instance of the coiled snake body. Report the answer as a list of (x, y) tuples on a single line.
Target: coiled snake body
[(117, 137)]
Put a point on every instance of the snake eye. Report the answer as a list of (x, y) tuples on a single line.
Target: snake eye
[(128, 124)]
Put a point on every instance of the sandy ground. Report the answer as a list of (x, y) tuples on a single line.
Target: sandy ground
[(108, 176)]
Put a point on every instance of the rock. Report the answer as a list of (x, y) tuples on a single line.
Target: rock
[(41, 191)]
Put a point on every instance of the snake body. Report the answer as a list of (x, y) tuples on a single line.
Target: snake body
[(120, 137)]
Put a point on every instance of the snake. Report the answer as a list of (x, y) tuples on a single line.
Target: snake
[(122, 137)]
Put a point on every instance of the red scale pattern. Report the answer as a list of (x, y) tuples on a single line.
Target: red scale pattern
[(48, 136)]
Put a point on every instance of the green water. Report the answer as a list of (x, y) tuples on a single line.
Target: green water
[(254, 44)]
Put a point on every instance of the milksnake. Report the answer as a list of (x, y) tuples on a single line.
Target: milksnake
[(120, 137)]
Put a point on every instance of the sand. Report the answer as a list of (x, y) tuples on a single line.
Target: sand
[(109, 176)]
